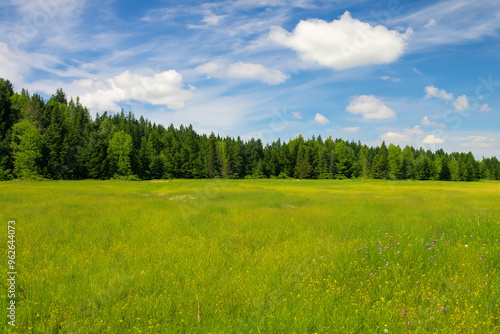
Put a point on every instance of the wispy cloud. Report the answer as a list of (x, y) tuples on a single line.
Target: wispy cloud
[(480, 142), (451, 22), (241, 70)]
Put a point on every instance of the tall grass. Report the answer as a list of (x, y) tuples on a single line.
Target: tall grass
[(254, 256)]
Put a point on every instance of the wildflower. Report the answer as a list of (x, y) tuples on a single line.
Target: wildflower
[(468, 290), (380, 249), (404, 311), (417, 282), (466, 245), (387, 263), (444, 308), (480, 258)]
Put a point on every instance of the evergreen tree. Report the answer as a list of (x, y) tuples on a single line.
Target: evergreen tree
[(380, 165), (344, 157), (395, 162), (26, 148), (119, 149), (212, 158)]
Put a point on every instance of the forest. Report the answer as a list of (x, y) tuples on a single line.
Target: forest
[(58, 139)]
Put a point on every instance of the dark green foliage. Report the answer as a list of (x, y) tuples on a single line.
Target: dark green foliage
[(59, 140)]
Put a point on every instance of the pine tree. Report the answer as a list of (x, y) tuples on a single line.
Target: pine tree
[(119, 149), (26, 147), (380, 165), (395, 162)]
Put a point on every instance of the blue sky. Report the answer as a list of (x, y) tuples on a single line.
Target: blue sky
[(422, 73)]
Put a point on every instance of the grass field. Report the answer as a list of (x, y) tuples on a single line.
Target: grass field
[(254, 256)]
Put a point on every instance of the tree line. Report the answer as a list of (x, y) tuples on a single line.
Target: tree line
[(58, 139)]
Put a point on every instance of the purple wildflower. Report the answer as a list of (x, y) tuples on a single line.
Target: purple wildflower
[(380, 249), (444, 308), (404, 311)]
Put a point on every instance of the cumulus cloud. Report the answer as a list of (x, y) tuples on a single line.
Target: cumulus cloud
[(241, 70), (321, 119), (407, 136), (480, 142), (461, 103), (351, 129), (414, 131), (370, 108), (394, 137), (164, 88), (431, 139), (342, 43), (485, 108), (431, 91), (426, 122)]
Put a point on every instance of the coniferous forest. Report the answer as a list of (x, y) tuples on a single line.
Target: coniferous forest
[(57, 139)]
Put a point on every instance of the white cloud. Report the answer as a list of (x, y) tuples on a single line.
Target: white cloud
[(209, 20), (414, 131), (370, 108), (321, 119), (461, 103), (480, 142), (416, 70), (459, 21), (386, 77), (164, 88), (426, 122), (408, 136), (394, 137), (485, 108), (431, 91), (241, 70), (431, 139), (212, 19), (351, 129), (431, 23), (296, 115), (15, 65), (342, 43)]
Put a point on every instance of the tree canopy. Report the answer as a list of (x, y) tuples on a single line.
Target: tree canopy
[(57, 139)]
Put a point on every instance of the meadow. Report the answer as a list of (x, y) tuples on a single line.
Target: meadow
[(254, 256)]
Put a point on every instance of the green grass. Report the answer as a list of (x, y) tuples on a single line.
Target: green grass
[(256, 256)]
